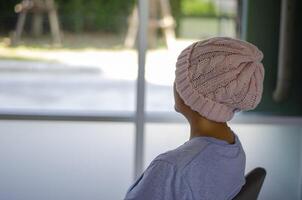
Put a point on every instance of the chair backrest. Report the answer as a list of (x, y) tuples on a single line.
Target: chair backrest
[(254, 180)]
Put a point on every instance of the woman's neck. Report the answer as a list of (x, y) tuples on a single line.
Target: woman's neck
[(203, 127)]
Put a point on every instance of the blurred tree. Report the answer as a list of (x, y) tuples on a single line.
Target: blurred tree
[(84, 15), (198, 8), (94, 15), (8, 17)]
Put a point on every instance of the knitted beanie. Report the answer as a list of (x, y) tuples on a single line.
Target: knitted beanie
[(219, 76)]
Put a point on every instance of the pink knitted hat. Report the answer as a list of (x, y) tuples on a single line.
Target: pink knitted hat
[(219, 76)]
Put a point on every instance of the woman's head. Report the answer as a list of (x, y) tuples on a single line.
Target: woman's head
[(217, 77)]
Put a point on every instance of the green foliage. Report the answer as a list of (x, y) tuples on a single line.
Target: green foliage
[(84, 15), (94, 15), (176, 12), (104, 15), (8, 17), (198, 8)]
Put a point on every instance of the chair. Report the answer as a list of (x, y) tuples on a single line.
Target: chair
[(254, 180)]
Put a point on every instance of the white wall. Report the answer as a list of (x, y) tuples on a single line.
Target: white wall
[(92, 160)]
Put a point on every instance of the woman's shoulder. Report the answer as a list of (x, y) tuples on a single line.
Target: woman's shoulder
[(183, 154), (203, 151)]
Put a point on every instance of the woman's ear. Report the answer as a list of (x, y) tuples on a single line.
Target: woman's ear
[(179, 105), (176, 99)]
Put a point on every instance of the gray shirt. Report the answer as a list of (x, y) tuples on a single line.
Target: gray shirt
[(203, 168)]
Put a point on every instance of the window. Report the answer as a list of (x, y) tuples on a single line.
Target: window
[(96, 72), (91, 70)]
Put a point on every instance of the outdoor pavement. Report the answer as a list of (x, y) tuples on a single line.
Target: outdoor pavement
[(96, 86)]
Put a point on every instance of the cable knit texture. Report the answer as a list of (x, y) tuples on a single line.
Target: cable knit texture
[(219, 76)]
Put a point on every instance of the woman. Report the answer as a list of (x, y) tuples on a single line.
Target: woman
[(214, 79)]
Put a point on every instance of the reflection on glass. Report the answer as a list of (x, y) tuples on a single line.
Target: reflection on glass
[(66, 160)]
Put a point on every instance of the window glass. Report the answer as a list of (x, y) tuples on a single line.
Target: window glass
[(160, 138), (182, 24), (264, 146), (83, 66)]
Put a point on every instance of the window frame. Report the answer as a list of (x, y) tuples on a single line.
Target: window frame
[(140, 117)]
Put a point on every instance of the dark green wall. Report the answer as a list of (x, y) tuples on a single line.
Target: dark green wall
[(263, 30)]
